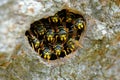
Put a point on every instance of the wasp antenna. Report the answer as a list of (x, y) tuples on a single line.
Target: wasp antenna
[(35, 33)]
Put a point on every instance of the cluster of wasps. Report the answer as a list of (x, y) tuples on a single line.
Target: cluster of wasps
[(56, 36)]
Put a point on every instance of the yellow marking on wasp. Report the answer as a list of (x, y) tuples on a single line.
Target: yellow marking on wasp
[(58, 52), (37, 44), (47, 56), (55, 19), (80, 25), (50, 38), (62, 37)]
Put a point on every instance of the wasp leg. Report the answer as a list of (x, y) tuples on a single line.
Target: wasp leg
[(32, 46), (65, 52), (36, 33), (38, 51)]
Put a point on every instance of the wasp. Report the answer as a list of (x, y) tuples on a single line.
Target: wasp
[(34, 42), (79, 27), (72, 45), (47, 54), (69, 46), (58, 18), (79, 23), (59, 50), (54, 19), (74, 33), (62, 34), (70, 20), (70, 17), (39, 30), (50, 35)]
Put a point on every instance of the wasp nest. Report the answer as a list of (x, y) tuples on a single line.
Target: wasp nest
[(56, 36)]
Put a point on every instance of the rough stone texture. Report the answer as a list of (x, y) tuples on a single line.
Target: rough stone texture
[(99, 59)]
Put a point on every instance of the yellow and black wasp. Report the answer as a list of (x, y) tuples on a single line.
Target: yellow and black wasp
[(34, 42), (79, 26), (58, 18), (70, 17), (79, 23), (59, 50), (72, 45), (50, 35), (54, 19), (62, 34), (47, 54), (38, 29)]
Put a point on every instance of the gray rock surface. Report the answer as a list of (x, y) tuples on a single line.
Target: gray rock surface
[(99, 59)]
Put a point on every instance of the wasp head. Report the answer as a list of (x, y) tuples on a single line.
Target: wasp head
[(50, 35), (55, 18), (47, 53), (41, 30), (70, 46), (58, 49), (63, 34), (79, 23)]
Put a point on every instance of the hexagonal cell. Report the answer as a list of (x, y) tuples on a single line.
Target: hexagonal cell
[(56, 36)]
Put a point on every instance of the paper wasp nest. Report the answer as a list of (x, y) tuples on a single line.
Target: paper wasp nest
[(56, 36)]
